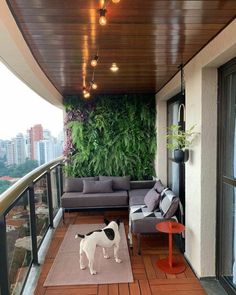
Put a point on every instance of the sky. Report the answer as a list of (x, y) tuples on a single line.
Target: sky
[(21, 108)]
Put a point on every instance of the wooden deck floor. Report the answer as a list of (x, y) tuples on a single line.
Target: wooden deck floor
[(148, 279)]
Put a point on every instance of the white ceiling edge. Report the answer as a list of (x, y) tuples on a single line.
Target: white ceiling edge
[(16, 55)]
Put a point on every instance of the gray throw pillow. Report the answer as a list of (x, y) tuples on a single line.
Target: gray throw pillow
[(118, 182), (75, 184), (152, 199), (93, 186), (159, 186), (169, 204)]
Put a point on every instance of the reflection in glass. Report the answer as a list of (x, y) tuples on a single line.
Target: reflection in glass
[(41, 208), (19, 245), (55, 178)]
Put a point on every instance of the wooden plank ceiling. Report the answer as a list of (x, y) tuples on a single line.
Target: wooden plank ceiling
[(148, 39)]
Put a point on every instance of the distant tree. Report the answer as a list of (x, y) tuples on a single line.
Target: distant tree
[(4, 185), (23, 169)]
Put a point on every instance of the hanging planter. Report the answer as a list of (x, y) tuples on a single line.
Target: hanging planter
[(178, 141), (181, 156)]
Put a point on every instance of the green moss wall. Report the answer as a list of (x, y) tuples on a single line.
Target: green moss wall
[(111, 135)]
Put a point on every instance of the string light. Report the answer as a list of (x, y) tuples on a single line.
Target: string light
[(102, 19), (94, 85), (94, 61), (114, 67)]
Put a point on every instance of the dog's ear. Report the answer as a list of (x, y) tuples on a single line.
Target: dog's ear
[(106, 221), (118, 221)]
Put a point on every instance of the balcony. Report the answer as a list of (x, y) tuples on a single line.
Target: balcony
[(30, 213), (175, 59)]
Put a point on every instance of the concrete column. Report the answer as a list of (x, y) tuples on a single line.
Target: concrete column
[(201, 109)]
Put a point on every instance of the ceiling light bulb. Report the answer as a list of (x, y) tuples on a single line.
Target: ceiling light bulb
[(94, 61), (114, 67), (87, 95), (115, 1), (84, 90), (94, 85), (102, 19)]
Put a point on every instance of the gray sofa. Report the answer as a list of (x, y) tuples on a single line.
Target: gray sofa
[(149, 202), (95, 192)]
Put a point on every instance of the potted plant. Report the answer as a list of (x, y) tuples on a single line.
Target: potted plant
[(179, 141)]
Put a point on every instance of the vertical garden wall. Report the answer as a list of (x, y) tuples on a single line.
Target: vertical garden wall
[(111, 135)]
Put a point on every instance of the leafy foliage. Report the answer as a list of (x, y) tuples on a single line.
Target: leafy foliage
[(178, 138), (112, 135)]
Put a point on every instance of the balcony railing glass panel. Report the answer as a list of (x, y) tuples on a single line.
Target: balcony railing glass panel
[(19, 245)]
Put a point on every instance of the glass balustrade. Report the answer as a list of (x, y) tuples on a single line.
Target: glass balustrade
[(26, 213)]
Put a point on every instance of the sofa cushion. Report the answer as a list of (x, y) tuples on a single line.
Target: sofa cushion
[(159, 186), (168, 204), (152, 199), (100, 186), (136, 196), (75, 184), (118, 182), (80, 200)]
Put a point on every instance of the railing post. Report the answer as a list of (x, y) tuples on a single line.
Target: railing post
[(49, 192), (33, 229), (61, 180), (4, 279)]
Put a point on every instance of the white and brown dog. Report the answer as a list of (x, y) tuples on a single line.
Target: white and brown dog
[(107, 237)]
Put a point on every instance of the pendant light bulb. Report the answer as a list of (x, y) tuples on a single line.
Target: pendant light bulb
[(115, 1), (94, 61), (102, 19), (114, 67), (94, 85), (87, 95)]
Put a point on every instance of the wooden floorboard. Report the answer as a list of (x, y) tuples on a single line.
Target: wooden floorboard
[(148, 279)]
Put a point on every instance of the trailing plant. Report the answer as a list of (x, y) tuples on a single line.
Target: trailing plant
[(111, 135), (178, 138)]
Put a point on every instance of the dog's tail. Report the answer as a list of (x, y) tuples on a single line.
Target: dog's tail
[(79, 236)]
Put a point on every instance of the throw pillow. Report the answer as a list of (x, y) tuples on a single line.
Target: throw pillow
[(169, 204), (159, 186), (93, 186), (118, 182), (152, 199), (75, 184)]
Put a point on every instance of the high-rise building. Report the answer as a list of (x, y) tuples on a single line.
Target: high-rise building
[(10, 153), (15, 150), (34, 134), (19, 149), (44, 151)]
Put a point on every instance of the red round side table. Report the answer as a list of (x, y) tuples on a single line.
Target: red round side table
[(167, 264)]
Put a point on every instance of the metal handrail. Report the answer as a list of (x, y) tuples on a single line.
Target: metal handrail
[(12, 193)]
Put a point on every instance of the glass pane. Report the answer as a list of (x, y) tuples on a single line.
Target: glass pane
[(230, 128), (55, 190), (229, 230), (18, 243), (173, 168), (41, 208)]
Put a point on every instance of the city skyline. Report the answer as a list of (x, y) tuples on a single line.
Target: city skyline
[(36, 144), (21, 108)]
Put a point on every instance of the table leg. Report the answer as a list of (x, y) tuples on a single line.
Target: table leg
[(170, 249)]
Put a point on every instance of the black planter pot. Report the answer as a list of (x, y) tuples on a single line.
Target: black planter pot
[(181, 156)]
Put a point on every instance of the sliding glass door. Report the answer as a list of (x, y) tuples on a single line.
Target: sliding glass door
[(226, 228)]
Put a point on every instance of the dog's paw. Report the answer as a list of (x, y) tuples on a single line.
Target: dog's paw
[(118, 260), (106, 256), (93, 272), (82, 267)]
